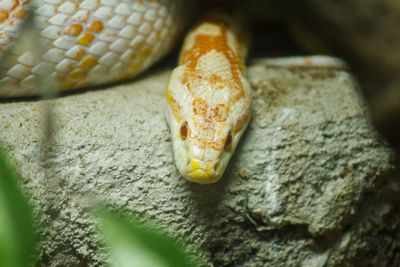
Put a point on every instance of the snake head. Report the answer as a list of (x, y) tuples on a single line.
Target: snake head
[(206, 125)]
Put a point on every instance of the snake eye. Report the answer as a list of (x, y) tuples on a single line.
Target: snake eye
[(228, 141), (184, 130)]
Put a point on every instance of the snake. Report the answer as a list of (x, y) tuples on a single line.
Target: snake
[(90, 42)]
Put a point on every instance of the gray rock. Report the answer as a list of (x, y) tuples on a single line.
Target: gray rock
[(311, 184), (368, 40)]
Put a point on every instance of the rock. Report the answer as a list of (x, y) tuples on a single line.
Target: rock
[(365, 34), (311, 183)]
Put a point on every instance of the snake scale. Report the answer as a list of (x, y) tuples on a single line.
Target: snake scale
[(85, 42)]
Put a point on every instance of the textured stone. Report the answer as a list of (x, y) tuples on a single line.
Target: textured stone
[(365, 34), (311, 183)]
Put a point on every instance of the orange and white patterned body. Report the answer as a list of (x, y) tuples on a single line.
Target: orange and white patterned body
[(209, 98), (86, 42)]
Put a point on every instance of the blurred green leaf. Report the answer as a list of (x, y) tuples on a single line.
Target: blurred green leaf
[(17, 231), (134, 245)]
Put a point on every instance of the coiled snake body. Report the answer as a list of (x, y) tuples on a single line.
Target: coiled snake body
[(92, 42)]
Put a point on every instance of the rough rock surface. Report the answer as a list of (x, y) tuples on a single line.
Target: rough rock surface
[(365, 34), (311, 184)]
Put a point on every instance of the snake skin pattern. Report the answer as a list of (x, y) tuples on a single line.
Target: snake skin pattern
[(209, 98), (87, 42)]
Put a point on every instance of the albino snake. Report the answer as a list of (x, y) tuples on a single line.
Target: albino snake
[(92, 42)]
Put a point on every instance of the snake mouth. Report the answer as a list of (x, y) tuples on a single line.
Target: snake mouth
[(204, 172)]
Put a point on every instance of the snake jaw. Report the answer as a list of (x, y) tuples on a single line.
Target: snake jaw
[(203, 171), (200, 165)]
